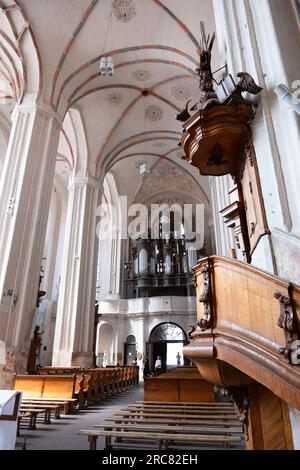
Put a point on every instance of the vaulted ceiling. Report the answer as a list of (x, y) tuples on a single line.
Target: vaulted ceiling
[(127, 118)]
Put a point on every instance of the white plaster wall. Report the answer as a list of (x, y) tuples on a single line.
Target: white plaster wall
[(262, 37), (253, 37), (295, 422), (139, 316), (3, 147)]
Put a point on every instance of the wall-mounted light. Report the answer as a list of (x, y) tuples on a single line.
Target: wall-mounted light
[(288, 97)]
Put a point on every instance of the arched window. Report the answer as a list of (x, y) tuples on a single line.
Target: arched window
[(167, 332), (130, 339)]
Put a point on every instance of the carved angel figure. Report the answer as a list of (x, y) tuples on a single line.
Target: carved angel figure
[(208, 96), (286, 317), (205, 295)]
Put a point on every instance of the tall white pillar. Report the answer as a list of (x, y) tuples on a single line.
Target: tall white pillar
[(73, 341), (25, 190)]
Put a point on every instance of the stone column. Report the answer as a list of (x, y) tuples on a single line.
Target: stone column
[(73, 341), (25, 190)]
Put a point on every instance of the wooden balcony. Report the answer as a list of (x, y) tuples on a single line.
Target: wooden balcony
[(248, 328)]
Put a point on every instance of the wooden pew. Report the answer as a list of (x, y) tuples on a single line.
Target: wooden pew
[(32, 386), (172, 409), (191, 429), (158, 438), (166, 412), (27, 402), (182, 403), (98, 382), (179, 421), (180, 384), (130, 414), (33, 413), (52, 389)]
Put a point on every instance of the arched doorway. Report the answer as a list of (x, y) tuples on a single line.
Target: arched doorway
[(130, 350), (166, 340)]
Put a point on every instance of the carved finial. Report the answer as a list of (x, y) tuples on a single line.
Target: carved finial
[(248, 84), (184, 114), (208, 96)]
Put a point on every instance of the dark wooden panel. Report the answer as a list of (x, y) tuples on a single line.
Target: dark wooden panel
[(269, 423), (196, 391), (159, 390), (272, 422), (182, 384)]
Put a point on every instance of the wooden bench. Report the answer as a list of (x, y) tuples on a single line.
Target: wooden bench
[(175, 428), (159, 438), (179, 421), (189, 413), (32, 413), (96, 383), (220, 418), (185, 403), (49, 406), (66, 405), (183, 408), (50, 388)]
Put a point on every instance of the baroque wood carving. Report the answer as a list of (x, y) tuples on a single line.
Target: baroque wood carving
[(206, 299), (288, 322), (239, 396), (214, 136)]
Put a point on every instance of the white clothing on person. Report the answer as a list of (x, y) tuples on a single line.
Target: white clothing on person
[(158, 364)]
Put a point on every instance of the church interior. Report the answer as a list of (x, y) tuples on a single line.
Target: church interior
[(149, 224)]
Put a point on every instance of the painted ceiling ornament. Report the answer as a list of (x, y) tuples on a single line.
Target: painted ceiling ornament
[(164, 177), (114, 98), (141, 75), (123, 10), (154, 113), (181, 92)]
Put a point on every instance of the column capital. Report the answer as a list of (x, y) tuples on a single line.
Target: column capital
[(81, 181), (40, 107)]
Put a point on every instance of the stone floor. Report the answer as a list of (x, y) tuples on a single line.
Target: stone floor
[(61, 434)]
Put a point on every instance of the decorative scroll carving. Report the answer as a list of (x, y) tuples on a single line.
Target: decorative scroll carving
[(206, 298), (191, 331), (248, 179), (288, 322), (241, 402), (247, 83)]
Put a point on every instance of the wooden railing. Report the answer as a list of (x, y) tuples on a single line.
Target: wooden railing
[(247, 329)]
